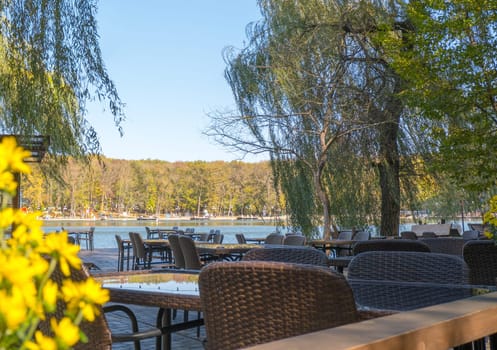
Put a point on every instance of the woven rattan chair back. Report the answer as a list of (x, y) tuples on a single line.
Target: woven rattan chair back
[(297, 255), (122, 253), (252, 302), (400, 281), (98, 332), (240, 238), (408, 235), (179, 260), (297, 240), (139, 252), (345, 235), (470, 234), (481, 257), (218, 238), (445, 245), (429, 234), (408, 266), (190, 254), (274, 238), (390, 245), (361, 236)]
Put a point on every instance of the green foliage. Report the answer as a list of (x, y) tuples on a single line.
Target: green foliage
[(448, 59), (50, 67)]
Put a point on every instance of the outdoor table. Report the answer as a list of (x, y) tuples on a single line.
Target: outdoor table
[(164, 290), (82, 235), (334, 245), (158, 244), (228, 251), (340, 262), (257, 240)]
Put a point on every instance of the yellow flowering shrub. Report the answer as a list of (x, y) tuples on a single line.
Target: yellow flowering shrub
[(28, 257), (490, 219)]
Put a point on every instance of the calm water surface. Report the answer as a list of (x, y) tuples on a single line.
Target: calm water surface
[(105, 230)]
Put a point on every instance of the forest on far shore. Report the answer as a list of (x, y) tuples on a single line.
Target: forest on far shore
[(127, 188)]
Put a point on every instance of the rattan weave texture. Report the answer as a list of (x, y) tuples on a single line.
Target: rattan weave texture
[(481, 257), (399, 280), (253, 302), (445, 245), (390, 245), (298, 255)]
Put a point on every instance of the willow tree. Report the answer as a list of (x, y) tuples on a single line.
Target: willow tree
[(50, 67), (312, 78)]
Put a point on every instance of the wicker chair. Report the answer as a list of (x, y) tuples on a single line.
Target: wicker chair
[(481, 257), (252, 302), (298, 255), (445, 245), (408, 235), (390, 245), (218, 238), (274, 238), (190, 254), (297, 240), (429, 234), (179, 260), (123, 253), (143, 257), (98, 333), (87, 237), (403, 280), (140, 259), (470, 234), (240, 238)]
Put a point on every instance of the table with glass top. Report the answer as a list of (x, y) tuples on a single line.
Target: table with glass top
[(165, 290)]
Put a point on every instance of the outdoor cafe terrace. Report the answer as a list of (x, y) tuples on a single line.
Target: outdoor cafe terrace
[(402, 298)]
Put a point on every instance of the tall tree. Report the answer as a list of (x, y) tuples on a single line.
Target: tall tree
[(50, 67), (449, 61), (314, 74)]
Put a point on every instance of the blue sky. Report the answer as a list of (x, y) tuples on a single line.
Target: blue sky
[(165, 57)]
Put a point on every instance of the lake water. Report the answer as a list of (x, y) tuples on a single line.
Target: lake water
[(105, 230)]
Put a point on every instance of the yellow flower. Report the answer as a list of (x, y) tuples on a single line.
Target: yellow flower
[(12, 156), (6, 217), (84, 296), (65, 331), (50, 293), (13, 310), (8, 183), (57, 245), (42, 342)]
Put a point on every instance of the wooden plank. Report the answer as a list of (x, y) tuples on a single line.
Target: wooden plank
[(437, 327)]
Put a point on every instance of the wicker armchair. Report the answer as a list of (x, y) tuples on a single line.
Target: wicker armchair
[(274, 238), (179, 259), (123, 253), (402, 280), (297, 240), (481, 257), (408, 235), (98, 333), (240, 238), (298, 255), (390, 245), (190, 254), (252, 302), (445, 245)]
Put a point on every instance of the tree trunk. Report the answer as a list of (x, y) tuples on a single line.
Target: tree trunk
[(325, 202), (389, 170)]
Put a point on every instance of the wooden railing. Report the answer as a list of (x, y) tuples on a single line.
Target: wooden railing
[(436, 327)]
